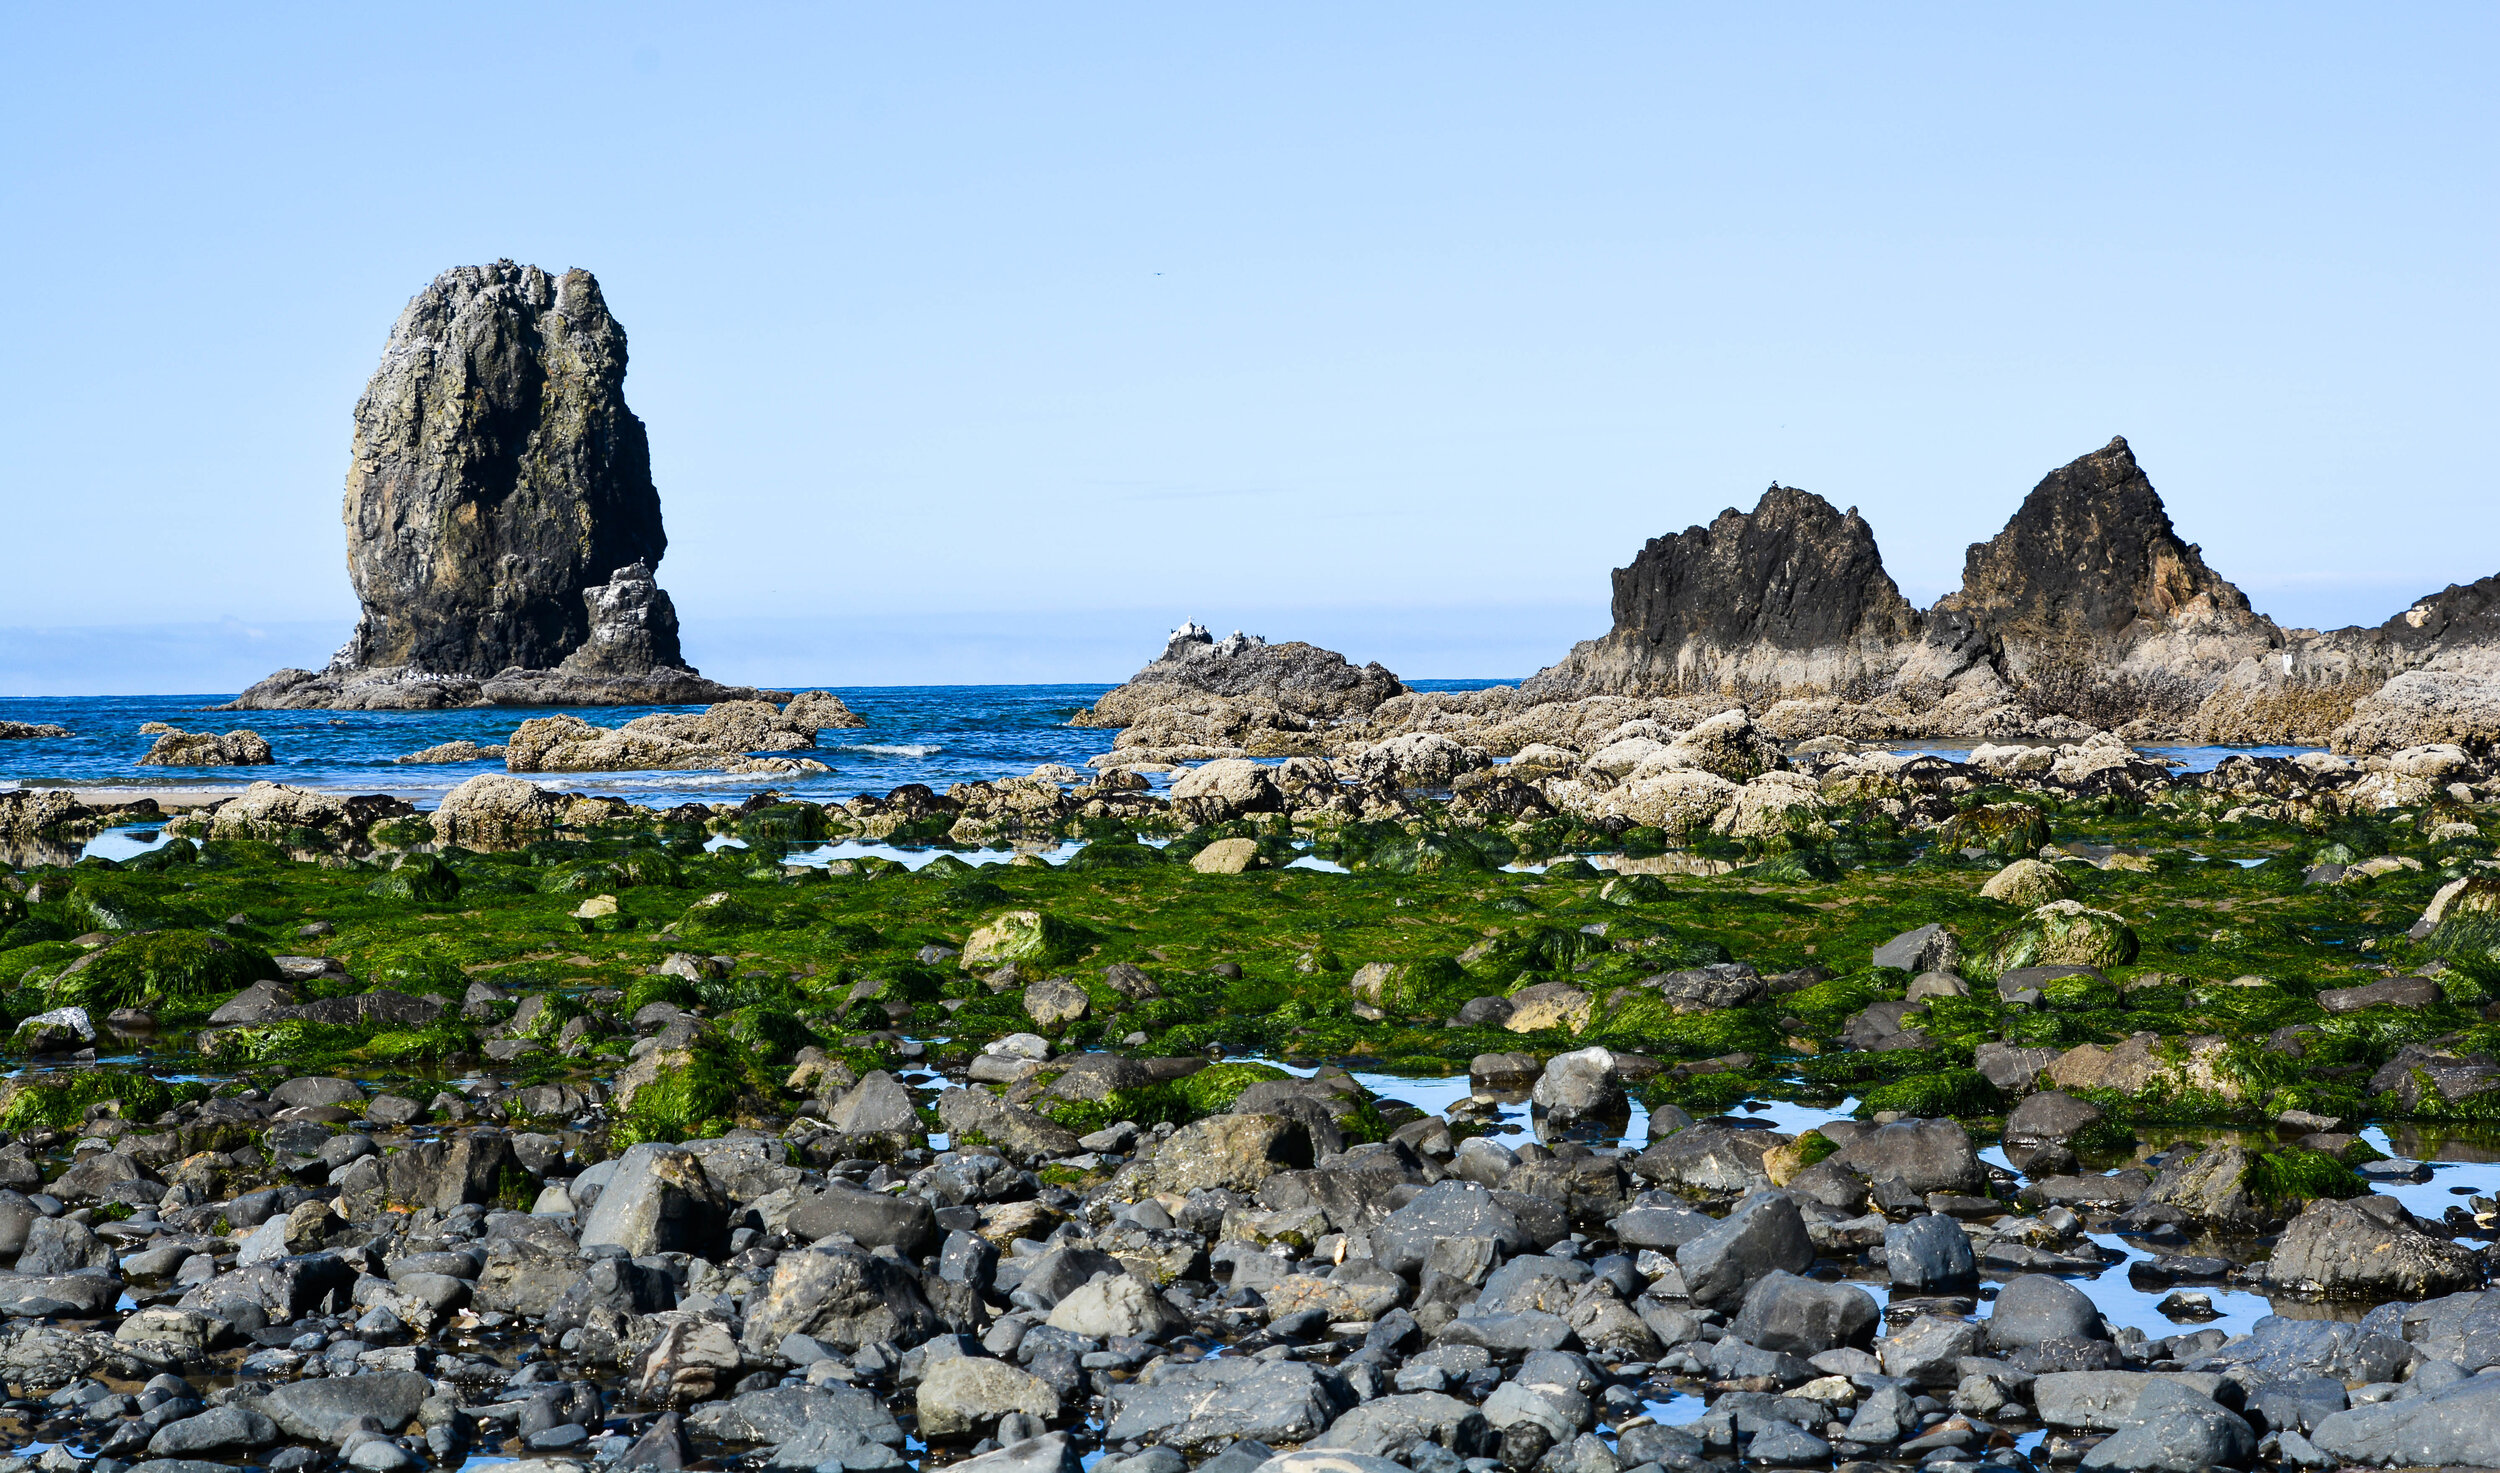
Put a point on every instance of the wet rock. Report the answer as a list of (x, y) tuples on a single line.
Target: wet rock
[(1928, 1255), (2051, 1117), (1930, 948), (870, 1219), (1195, 1404), (781, 1415), (1449, 1209), (1929, 1349), (1710, 1159), (1799, 1316), (2399, 992), (2104, 1401), (841, 1295), (2036, 1308), (324, 1410), (1919, 1156), (1053, 1453), (2458, 1426), (2366, 1246), (967, 1395), (61, 1245), (1226, 1152), (2174, 1430), (224, 1429), (1580, 1085), (1763, 1233), (659, 1200)]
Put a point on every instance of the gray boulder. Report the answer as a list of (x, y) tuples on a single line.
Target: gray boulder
[(871, 1219), (2050, 1118), (1762, 1234), (230, 1428), (1918, 1155), (659, 1201), (1802, 1317), (2366, 1246), (2102, 1401), (2174, 1430), (1446, 1209), (841, 1295), (1929, 1253), (1197, 1403), (968, 1394), (1930, 948), (57, 1245), (323, 1410), (2037, 1308), (2459, 1426)]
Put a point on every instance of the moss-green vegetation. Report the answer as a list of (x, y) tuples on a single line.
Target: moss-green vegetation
[(61, 1099), (829, 958), (160, 969)]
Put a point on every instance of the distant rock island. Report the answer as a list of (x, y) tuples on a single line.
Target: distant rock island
[(502, 524), (2087, 613)]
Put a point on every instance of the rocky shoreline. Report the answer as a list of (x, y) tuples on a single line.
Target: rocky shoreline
[(536, 1128)]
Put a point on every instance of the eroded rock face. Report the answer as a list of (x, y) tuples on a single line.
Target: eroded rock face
[(502, 524), (496, 476), (2089, 570), (1793, 591)]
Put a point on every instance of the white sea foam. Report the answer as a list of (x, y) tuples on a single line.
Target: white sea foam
[(895, 749)]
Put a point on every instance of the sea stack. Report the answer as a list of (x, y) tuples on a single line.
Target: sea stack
[(1791, 595), (502, 523)]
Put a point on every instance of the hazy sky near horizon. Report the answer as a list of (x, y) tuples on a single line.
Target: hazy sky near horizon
[(1395, 321)]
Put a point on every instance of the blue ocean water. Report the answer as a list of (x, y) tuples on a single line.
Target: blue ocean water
[(938, 735)]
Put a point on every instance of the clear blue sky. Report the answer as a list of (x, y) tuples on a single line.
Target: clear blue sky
[(989, 341)]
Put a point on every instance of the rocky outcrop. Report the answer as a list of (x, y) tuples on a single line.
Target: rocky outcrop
[(2087, 611), (1299, 679), (502, 524), (28, 731), (2089, 584), (724, 738), (238, 748), (1206, 698), (1792, 594)]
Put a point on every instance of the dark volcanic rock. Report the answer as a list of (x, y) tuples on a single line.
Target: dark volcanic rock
[(502, 524), (496, 476), (1302, 679), (1793, 577), (2090, 567)]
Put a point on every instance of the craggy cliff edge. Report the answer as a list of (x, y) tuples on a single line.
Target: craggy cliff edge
[(2087, 613), (502, 525)]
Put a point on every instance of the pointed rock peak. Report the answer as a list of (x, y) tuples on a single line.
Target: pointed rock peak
[(1794, 572), (2091, 555)]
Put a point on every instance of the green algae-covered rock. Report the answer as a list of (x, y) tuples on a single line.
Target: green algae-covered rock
[(2062, 933), (2008, 830), (1212, 1090), (2028, 883), (1025, 936), (1115, 855), (1435, 985), (720, 912), (117, 905), (156, 969), (420, 877)]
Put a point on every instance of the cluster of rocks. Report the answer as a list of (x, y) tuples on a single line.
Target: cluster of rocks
[(387, 1282), (28, 731), (725, 737), (178, 748), (502, 524), (2087, 612)]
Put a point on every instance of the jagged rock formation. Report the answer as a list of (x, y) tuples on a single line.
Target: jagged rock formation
[(1792, 594), (1206, 698), (2087, 611), (502, 524), (29, 731)]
